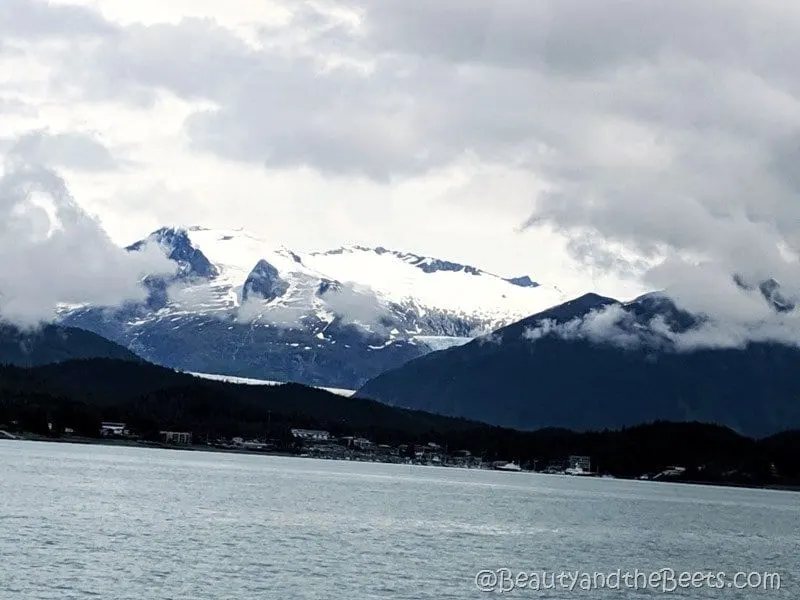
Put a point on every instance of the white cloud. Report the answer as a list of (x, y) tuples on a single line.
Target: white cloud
[(354, 303), (280, 315), (52, 252), (35, 20), (739, 318), (611, 324), (351, 303), (493, 338)]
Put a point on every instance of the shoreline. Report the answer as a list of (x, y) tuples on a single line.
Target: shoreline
[(140, 444), (212, 449)]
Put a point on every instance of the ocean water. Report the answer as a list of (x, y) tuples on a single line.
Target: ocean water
[(109, 522)]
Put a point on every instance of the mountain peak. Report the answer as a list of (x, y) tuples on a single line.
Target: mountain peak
[(770, 289), (264, 281), (178, 247), (524, 281)]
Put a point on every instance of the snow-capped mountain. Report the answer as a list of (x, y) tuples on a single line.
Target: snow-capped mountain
[(238, 306)]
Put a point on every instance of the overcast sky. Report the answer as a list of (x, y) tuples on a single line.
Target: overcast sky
[(578, 142)]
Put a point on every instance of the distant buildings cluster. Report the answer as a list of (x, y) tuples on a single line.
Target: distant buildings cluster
[(571, 465), (320, 443), (110, 429)]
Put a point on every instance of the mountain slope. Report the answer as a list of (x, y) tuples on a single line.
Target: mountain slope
[(52, 343), (238, 307), (538, 373)]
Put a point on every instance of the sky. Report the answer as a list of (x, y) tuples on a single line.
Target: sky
[(609, 146)]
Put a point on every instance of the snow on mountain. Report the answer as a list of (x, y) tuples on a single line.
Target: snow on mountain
[(407, 279), (241, 306), (430, 283), (236, 252), (442, 342), (250, 381)]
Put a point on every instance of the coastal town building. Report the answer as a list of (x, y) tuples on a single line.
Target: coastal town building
[(176, 437), (311, 435), (579, 462), (111, 429)]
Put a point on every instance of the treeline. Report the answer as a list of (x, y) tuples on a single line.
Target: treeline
[(143, 395), (80, 394)]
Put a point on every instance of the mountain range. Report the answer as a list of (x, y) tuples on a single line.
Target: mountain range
[(236, 306), (595, 363), (427, 334)]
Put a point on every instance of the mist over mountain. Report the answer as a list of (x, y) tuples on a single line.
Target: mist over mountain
[(54, 253)]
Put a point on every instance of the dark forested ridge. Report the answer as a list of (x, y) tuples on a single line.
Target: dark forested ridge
[(55, 343), (145, 395), (512, 379), (80, 394)]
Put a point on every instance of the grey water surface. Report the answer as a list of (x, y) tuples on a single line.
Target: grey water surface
[(91, 521)]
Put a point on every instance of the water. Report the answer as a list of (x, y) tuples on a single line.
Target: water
[(117, 523)]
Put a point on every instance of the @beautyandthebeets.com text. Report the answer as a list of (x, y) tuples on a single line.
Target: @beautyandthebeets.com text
[(664, 580)]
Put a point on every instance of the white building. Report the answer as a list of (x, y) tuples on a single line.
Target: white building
[(580, 462), (112, 429), (176, 437), (311, 435)]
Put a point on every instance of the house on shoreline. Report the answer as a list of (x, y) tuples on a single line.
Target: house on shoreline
[(183, 438), (113, 429)]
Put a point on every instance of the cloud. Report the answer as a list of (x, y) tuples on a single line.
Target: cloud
[(387, 89), (71, 150), (357, 304), (646, 129), (53, 253), (611, 324), (15, 106), (492, 337), (256, 310), (194, 59), (334, 99), (749, 318), (659, 133), (26, 20), (351, 303)]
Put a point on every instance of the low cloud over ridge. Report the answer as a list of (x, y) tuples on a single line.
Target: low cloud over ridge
[(751, 318)]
